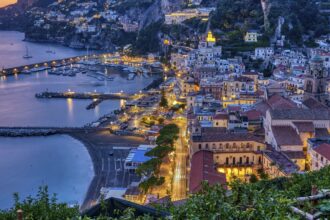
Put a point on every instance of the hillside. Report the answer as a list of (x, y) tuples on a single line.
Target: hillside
[(303, 17)]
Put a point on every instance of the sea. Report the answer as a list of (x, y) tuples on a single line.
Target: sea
[(59, 162)]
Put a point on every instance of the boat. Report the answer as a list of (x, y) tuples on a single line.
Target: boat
[(72, 74), (26, 72), (27, 55), (131, 76)]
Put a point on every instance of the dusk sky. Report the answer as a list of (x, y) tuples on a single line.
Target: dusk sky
[(6, 2)]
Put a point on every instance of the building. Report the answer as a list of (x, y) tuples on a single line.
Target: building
[(320, 156), (277, 164), (180, 16), (251, 36), (203, 169), (316, 81), (137, 156), (263, 53), (235, 154), (288, 130)]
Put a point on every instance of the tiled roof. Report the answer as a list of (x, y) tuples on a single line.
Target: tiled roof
[(234, 108), (324, 150), (222, 136), (282, 161), (253, 115), (203, 169), (286, 135), (304, 126), (300, 114), (221, 116), (274, 102), (321, 133), (277, 101), (294, 154), (312, 103)]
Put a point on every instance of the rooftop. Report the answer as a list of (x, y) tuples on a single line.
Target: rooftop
[(221, 135), (300, 114), (203, 169), (138, 155), (282, 161), (286, 135), (324, 150)]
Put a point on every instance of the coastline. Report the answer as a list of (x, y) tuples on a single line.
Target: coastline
[(97, 143)]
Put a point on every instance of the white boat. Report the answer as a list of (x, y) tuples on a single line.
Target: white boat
[(131, 76), (27, 55)]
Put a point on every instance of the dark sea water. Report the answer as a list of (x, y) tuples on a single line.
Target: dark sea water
[(13, 48)]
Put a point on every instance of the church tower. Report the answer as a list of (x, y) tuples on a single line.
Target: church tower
[(315, 81)]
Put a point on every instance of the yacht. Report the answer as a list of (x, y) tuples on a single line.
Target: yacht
[(27, 55)]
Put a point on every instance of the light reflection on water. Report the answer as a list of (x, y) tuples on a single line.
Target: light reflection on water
[(26, 163)]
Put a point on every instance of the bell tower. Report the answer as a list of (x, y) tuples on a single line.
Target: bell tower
[(316, 81)]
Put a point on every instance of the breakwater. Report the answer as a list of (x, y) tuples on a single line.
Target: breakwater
[(87, 95), (45, 131), (46, 65)]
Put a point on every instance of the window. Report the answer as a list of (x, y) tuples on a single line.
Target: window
[(199, 146), (227, 145), (206, 146), (247, 160), (240, 160), (234, 160), (227, 160), (259, 161)]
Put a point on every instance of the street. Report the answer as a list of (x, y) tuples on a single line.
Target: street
[(179, 187)]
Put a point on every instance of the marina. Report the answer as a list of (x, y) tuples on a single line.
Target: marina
[(92, 91)]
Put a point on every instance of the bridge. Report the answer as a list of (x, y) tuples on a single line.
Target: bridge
[(87, 95)]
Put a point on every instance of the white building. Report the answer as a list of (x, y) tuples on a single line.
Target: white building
[(263, 53)]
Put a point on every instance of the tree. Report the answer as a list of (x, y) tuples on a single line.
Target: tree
[(160, 151), (253, 178), (150, 182), (41, 207), (163, 101)]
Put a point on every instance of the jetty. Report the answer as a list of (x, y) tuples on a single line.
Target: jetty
[(46, 65), (86, 95)]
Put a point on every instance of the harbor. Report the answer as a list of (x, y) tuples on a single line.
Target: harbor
[(81, 97)]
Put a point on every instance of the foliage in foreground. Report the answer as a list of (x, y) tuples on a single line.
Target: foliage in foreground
[(265, 199)]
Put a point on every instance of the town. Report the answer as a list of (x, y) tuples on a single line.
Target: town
[(242, 107)]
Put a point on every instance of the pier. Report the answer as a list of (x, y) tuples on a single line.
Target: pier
[(87, 95), (46, 65), (45, 131)]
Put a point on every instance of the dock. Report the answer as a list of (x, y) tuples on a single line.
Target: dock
[(46, 131), (87, 95), (46, 65)]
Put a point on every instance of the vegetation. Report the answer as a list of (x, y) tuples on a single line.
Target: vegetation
[(165, 145), (163, 100), (147, 39), (265, 199), (41, 207), (234, 17)]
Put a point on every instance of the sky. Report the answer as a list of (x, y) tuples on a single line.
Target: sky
[(6, 2)]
